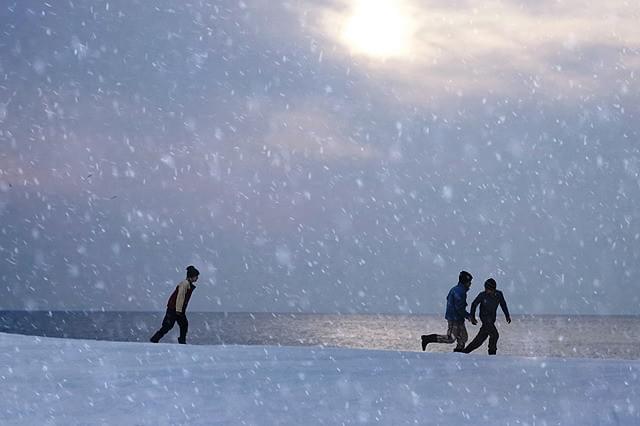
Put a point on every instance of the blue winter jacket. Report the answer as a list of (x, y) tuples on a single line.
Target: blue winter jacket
[(457, 304)]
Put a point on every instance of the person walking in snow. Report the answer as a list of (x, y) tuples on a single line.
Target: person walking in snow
[(177, 307), (489, 300), (455, 315)]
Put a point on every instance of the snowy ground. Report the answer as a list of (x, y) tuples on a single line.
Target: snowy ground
[(61, 381)]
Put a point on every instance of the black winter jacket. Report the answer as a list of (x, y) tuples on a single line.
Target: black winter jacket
[(489, 305)]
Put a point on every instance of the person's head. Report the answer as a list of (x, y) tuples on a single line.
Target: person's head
[(192, 273), (465, 278), (490, 285)]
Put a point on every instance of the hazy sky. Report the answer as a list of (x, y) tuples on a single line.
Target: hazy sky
[(320, 156)]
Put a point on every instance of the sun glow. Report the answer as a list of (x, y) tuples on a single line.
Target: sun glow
[(378, 28)]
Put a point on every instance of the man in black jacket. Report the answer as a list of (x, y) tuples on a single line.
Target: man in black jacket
[(488, 300)]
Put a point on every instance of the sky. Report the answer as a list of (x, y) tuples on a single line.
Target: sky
[(319, 156)]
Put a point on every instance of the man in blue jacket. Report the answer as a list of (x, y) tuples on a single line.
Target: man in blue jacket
[(455, 315)]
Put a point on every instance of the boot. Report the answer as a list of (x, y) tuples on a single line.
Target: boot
[(426, 339)]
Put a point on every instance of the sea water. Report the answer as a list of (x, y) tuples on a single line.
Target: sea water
[(537, 336)]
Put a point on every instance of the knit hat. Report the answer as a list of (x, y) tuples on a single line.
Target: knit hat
[(490, 284), (192, 271)]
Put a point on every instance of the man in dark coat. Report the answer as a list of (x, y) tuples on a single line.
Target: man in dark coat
[(455, 315), (489, 300), (177, 307)]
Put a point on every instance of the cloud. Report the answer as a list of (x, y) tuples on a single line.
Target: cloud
[(466, 47), (312, 132)]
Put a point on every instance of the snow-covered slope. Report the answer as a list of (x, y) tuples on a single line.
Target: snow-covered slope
[(61, 381)]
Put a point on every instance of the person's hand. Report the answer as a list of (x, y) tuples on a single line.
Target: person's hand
[(474, 321), (508, 320)]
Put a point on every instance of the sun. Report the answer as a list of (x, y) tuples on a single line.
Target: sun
[(378, 28)]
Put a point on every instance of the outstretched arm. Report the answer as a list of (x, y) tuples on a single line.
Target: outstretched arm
[(503, 305), (474, 305)]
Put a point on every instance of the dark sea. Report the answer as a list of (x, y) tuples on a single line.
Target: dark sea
[(537, 336)]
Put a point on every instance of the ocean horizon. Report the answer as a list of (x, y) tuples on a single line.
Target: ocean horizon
[(544, 335)]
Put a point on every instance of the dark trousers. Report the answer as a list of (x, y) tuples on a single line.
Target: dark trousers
[(486, 330), (170, 318)]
